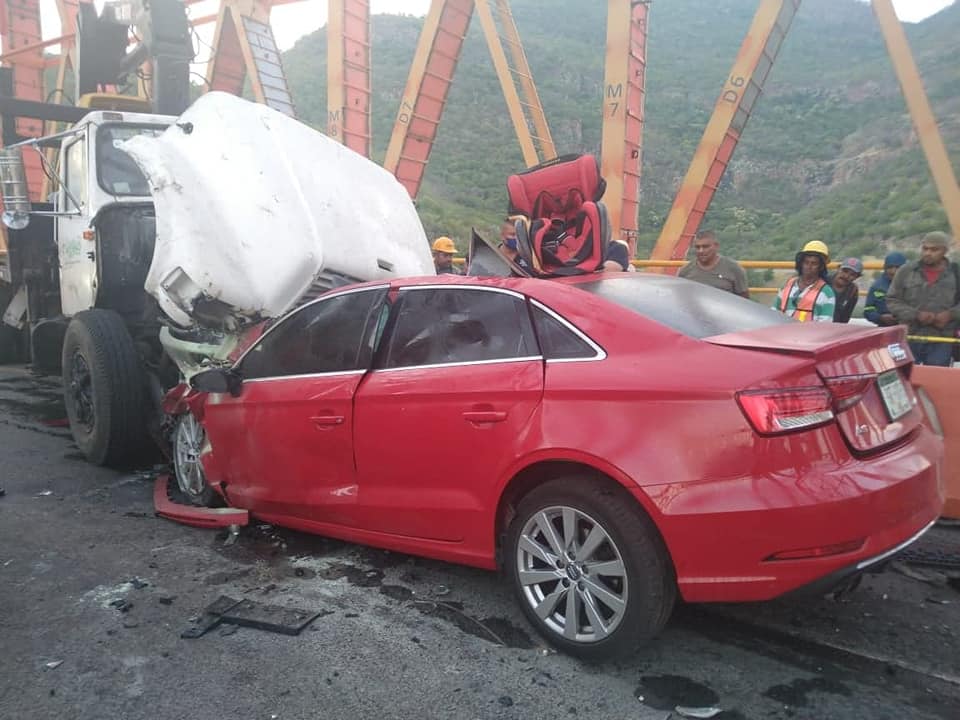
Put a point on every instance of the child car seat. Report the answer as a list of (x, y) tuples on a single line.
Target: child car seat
[(563, 228)]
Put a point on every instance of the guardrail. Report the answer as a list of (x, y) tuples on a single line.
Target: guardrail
[(753, 265)]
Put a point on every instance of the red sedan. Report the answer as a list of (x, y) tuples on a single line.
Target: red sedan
[(608, 440)]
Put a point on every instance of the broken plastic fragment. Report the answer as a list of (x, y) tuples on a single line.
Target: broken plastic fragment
[(53, 665), (697, 712)]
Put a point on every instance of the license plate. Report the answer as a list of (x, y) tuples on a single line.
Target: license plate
[(894, 395)]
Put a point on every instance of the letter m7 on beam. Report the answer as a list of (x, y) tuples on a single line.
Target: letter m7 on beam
[(425, 95), (737, 100)]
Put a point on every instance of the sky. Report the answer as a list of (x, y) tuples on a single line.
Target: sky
[(290, 22)]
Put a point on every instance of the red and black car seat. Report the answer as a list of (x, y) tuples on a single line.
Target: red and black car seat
[(564, 229)]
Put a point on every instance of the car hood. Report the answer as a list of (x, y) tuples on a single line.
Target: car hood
[(254, 207)]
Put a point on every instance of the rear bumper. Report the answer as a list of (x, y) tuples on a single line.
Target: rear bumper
[(827, 583), (722, 534)]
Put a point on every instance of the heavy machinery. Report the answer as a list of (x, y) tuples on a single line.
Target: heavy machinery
[(140, 268), (72, 285)]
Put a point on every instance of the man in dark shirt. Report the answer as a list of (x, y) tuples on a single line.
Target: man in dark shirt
[(925, 296), (844, 283), (876, 308)]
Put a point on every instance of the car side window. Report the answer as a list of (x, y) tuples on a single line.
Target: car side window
[(437, 326), (336, 334), (557, 340)]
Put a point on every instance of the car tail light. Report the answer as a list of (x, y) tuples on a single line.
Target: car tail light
[(847, 391), (772, 412), (819, 552)]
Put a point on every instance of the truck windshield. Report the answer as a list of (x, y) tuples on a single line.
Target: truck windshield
[(117, 173)]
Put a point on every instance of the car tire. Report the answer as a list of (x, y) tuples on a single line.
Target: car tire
[(188, 439), (600, 606), (103, 386)]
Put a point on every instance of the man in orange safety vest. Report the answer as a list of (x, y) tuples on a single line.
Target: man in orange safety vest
[(807, 296)]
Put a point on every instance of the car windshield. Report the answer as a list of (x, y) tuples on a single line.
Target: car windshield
[(117, 173), (688, 307)]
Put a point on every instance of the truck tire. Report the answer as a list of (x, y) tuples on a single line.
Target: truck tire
[(9, 344), (103, 387)]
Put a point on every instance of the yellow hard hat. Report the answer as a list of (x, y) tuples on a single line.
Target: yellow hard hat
[(819, 247), (445, 245)]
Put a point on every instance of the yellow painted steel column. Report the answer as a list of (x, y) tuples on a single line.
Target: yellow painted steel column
[(510, 94), (527, 87), (740, 92), (614, 106), (336, 93), (921, 113), (348, 74), (624, 93)]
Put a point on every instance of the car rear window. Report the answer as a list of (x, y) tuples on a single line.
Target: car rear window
[(688, 307)]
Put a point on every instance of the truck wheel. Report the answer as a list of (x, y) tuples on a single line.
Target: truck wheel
[(9, 344), (103, 388), (589, 569)]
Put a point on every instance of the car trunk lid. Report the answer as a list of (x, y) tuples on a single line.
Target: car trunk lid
[(866, 370)]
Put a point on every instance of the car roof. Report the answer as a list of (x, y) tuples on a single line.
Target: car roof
[(525, 285)]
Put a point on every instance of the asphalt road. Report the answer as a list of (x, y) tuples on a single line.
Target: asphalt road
[(92, 580)]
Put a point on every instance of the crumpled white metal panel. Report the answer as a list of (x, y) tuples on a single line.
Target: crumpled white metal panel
[(252, 206)]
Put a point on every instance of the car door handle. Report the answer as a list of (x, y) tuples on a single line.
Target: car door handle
[(485, 416), (326, 420)]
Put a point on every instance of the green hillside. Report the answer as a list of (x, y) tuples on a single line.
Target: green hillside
[(829, 152)]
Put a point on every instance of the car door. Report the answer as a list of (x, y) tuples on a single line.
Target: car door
[(451, 402), (285, 443)]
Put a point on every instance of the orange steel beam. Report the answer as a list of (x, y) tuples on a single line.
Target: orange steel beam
[(425, 94), (528, 111), (740, 93), (527, 87), (921, 113), (34, 46), (623, 112), (510, 93), (348, 74), (20, 23), (243, 45)]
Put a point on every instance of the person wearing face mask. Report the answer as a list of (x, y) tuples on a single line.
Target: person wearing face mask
[(508, 245)]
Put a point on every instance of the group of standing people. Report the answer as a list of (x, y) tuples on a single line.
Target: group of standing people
[(923, 294)]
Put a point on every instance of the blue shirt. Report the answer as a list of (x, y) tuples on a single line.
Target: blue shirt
[(877, 300)]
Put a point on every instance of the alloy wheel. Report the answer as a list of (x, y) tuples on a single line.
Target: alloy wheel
[(572, 574), (188, 441)]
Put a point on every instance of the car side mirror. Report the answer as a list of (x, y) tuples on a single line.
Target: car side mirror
[(217, 380)]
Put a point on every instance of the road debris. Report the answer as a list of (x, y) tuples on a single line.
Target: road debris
[(45, 493), (247, 613), (121, 604), (53, 665), (697, 712), (931, 577), (138, 584)]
